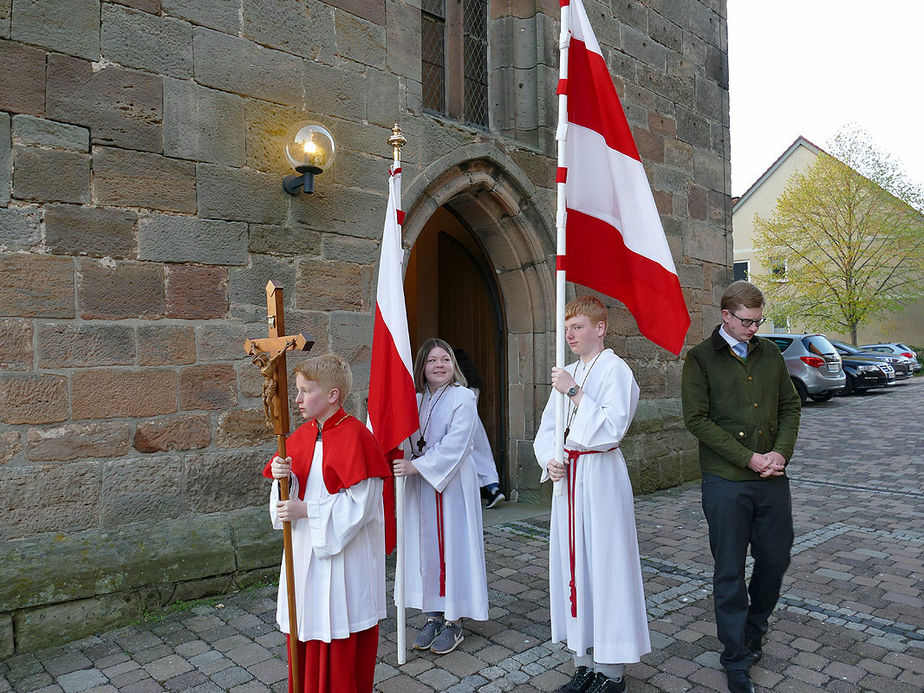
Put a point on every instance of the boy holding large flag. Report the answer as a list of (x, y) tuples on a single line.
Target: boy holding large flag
[(597, 598)]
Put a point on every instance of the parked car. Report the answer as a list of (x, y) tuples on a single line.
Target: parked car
[(896, 349), (866, 372), (813, 364), (901, 364)]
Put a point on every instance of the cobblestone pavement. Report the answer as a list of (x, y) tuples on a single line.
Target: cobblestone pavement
[(851, 617)]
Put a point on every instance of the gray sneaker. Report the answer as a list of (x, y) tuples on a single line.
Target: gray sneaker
[(428, 634), (448, 639)]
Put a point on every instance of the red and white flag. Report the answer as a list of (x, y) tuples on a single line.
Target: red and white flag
[(615, 243), (392, 398)]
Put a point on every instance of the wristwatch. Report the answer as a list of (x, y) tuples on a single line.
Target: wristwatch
[(572, 391)]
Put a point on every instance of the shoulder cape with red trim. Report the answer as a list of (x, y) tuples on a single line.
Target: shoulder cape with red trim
[(351, 455)]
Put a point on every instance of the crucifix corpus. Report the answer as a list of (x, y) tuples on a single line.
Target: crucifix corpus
[(269, 355)]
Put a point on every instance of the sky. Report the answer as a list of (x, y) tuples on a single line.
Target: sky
[(808, 67)]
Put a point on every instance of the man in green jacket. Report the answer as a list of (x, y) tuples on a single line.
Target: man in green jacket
[(739, 401)]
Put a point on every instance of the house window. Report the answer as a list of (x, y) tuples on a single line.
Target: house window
[(454, 59), (778, 270), (780, 324), (475, 61), (433, 55), (742, 269)]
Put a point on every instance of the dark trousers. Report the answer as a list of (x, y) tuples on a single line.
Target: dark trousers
[(743, 513)]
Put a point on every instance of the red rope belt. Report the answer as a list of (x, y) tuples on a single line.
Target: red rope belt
[(573, 456), (441, 541)]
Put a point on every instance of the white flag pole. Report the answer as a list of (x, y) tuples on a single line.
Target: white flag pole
[(397, 141), (560, 218)]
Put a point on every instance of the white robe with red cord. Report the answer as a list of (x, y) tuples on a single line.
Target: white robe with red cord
[(611, 616), (445, 466)]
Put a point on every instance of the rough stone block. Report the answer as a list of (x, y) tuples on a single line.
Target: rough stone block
[(371, 11), (51, 174), (351, 338), (77, 441), (152, 6), (147, 490), (704, 23), (181, 432), (403, 41), (121, 107), (256, 543), (333, 285), (32, 398), (693, 128), (107, 394), (6, 158), (31, 131), (7, 644), (197, 293), (6, 9), (208, 386), (240, 428), (166, 345), (43, 498), (16, 352), (294, 26), (138, 39), (65, 26), (113, 290), (60, 623), (123, 178), (36, 286), (383, 98), (678, 154), (709, 169), (204, 124), (248, 284), (69, 345), (22, 79), (215, 14), (240, 194), (356, 250), (164, 238), (710, 99), (10, 445), (68, 566), (79, 230), (360, 40), (19, 228), (242, 67), (216, 341), (222, 481), (267, 124), (282, 240)]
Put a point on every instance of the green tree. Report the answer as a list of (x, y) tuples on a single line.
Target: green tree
[(846, 239)]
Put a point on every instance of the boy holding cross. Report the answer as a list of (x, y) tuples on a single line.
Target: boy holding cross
[(336, 471)]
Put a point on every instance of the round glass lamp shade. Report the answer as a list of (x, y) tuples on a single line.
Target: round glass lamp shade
[(310, 147)]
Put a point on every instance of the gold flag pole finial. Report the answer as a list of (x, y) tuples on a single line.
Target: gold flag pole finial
[(396, 141)]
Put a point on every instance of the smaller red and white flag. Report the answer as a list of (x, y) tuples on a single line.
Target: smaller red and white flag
[(615, 243), (392, 405)]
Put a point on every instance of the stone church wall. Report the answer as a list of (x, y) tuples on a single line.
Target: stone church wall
[(141, 214)]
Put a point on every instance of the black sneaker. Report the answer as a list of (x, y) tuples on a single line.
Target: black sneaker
[(580, 683), (604, 684), (496, 497)]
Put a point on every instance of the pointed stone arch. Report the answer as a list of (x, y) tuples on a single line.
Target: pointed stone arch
[(506, 213)]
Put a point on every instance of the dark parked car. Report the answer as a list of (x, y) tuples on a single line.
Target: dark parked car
[(813, 364), (900, 364), (866, 372), (895, 349)]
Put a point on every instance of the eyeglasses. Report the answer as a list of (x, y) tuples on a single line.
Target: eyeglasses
[(747, 322)]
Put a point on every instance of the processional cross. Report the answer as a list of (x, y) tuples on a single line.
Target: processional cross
[(269, 355)]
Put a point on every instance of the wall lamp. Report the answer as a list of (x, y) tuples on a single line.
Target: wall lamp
[(310, 149)]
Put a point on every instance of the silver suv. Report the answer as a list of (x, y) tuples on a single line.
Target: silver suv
[(813, 364)]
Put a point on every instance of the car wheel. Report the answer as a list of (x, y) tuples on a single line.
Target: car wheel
[(800, 390), (823, 397), (849, 388)]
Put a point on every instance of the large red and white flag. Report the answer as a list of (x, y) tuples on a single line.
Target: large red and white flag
[(615, 243), (392, 397)]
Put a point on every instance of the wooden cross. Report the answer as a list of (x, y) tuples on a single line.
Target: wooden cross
[(270, 355)]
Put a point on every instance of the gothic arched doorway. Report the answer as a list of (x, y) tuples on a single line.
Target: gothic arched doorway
[(452, 293)]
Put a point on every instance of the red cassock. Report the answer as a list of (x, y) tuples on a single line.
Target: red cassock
[(350, 455)]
